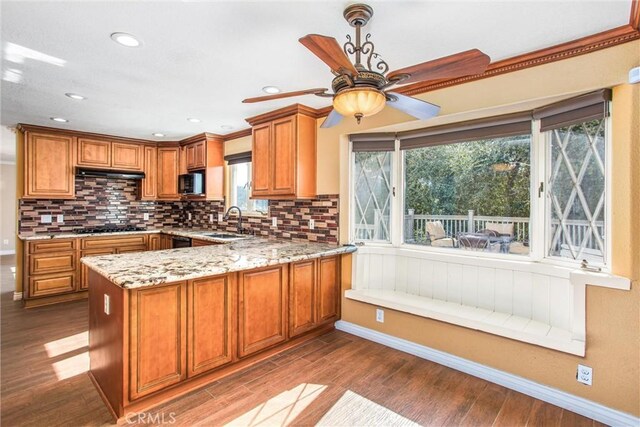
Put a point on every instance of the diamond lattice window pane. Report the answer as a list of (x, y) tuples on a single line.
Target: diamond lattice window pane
[(577, 192), (372, 195)]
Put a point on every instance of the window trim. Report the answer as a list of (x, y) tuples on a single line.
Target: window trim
[(229, 195)]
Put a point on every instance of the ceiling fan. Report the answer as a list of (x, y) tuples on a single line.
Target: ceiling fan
[(362, 91)]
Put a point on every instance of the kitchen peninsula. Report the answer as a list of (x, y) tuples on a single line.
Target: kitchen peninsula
[(163, 323)]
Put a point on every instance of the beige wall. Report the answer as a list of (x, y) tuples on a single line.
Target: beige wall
[(613, 316), (240, 145), (7, 190)]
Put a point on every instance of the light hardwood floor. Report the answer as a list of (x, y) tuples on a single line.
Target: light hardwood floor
[(336, 379)]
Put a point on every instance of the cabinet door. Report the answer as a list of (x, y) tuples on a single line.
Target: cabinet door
[(154, 242), (158, 338), (302, 297), (52, 284), (283, 152), (263, 299), (149, 186), (126, 156), (210, 324), (261, 160), (165, 242), (328, 289), (195, 154), (190, 154), (49, 167), (168, 164), (84, 270), (94, 153)]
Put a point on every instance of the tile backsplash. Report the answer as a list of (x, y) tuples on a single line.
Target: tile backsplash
[(101, 201)]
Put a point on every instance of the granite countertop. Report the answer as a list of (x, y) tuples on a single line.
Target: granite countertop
[(140, 269), (184, 232)]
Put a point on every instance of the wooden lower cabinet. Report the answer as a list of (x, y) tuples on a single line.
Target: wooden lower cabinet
[(302, 297), (158, 338), (262, 320), (61, 283), (211, 310), (166, 242), (328, 289), (84, 270), (154, 242)]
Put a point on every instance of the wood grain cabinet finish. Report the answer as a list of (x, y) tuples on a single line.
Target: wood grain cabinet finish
[(54, 245), (328, 289), (158, 338), (84, 270), (263, 309), (210, 326), (168, 167), (49, 166), (153, 244), (195, 153), (284, 158), (127, 156), (52, 263), (302, 297), (149, 185), (94, 153), (165, 242), (54, 284)]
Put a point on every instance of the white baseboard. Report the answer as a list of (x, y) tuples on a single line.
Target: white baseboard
[(17, 296), (7, 252), (551, 395)]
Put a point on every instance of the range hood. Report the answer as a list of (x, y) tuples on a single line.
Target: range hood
[(109, 173)]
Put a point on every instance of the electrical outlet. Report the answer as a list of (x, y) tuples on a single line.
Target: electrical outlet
[(584, 374), (274, 221), (145, 216), (379, 315), (189, 216), (211, 218), (45, 219), (312, 224), (220, 217), (107, 304), (60, 218)]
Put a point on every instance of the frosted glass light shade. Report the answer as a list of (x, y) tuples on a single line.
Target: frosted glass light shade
[(361, 102)]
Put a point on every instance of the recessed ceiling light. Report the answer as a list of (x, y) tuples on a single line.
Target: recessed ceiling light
[(59, 119), (125, 39), (271, 89), (193, 120), (75, 96), (226, 127), (158, 134)]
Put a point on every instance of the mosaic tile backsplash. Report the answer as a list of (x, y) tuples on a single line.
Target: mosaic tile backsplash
[(102, 201)]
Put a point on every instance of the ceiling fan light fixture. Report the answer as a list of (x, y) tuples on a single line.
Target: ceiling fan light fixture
[(359, 102)]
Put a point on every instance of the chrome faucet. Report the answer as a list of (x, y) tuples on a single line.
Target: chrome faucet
[(226, 217)]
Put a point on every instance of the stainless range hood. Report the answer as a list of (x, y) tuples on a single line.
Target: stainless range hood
[(109, 173)]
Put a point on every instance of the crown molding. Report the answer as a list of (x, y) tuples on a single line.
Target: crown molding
[(69, 132), (284, 112), (634, 19), (237, 134)]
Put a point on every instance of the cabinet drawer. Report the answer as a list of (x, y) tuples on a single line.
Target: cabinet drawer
[(126, 249), (52, 263), (55, 245), (40, 286), (108, 242), (198, 242)]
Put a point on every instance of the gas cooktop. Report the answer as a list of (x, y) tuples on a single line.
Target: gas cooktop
[(108, 229)]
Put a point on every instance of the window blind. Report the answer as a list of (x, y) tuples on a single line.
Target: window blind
[(579, 109), (491, 127), (233, 159), (373, 142)]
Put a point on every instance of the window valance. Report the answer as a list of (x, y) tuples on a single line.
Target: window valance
[(233, 159), (590, 106)]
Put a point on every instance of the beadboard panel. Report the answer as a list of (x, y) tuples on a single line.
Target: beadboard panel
[(536, 304)]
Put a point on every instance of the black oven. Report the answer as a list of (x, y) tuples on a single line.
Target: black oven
[(191, 183)]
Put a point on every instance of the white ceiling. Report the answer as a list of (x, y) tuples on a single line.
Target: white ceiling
[(200, 59)]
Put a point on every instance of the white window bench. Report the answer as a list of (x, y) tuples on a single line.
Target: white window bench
[(522, 300)]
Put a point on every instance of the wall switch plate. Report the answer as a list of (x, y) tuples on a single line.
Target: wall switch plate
[(45, 219), (312, 224), (60, 218), (146, 216), (220, 217), (379, 315), (211, 218), (189, 216), (584, 374), (107, 304), (274, 221)]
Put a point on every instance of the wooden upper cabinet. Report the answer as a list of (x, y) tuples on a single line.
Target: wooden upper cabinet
[(94, 153), (158, 338), (127, 156), (49, 166), (263, 307), (195, 153), (149, 185), (284, 154), (168, 167)]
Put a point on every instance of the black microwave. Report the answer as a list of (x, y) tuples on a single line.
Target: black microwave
[(191, 183)]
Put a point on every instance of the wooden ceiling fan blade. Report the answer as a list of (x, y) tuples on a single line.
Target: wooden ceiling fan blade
[(284, 95), (329, 52), (414, 107), (460, 64), (332, 119)]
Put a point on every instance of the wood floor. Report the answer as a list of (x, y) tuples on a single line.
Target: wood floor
[(336, 379)]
